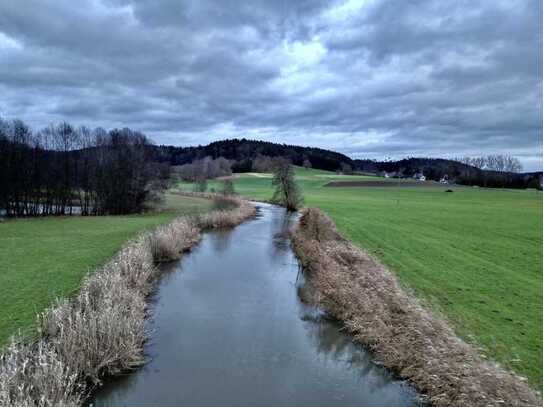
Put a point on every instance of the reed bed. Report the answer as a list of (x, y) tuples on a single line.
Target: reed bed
[(402, 334), (102, 331)]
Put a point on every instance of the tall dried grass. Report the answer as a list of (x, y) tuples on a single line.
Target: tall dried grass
[(170, 241), (238, 211), (102, 331), (403, 335), (32, 375)]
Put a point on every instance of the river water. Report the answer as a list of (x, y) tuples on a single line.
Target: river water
[(229, 330)]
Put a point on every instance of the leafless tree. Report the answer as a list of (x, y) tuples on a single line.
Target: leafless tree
[(262, 163), (206, 168), (287, 192), (55, 170)]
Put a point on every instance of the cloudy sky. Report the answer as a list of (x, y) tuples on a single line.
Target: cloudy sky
[(369, 78)]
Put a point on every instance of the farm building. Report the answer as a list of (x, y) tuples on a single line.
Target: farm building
[(419, 176)]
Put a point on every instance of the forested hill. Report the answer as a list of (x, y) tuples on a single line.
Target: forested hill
[(243, 152), (248, 155)]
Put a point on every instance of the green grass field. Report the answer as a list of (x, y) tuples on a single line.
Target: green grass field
[(44, 258), (475, 255)]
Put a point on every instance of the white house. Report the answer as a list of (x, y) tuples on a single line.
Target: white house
[(420, 176)]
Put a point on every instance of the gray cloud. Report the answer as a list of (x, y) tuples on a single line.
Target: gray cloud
[(371, 78)]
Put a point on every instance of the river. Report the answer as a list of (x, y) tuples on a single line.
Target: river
[(228, 329)]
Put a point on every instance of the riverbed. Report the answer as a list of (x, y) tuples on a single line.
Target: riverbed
[(228, 329)]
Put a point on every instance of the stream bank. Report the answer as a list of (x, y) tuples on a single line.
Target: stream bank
[(403, 335), (228, 328)]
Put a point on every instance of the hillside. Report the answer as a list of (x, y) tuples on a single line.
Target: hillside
[(244, 152)]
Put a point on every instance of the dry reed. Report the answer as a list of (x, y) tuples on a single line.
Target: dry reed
[(102, 331), (402, 334), (32, 375)]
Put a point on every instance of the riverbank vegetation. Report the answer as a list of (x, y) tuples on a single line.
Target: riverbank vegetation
[(472, 255), (101, 332), (404, 336)]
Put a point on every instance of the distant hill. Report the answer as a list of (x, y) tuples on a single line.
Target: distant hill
[(243, 152)]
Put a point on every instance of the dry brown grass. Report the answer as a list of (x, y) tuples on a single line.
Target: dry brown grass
[(403, 335), (224, 218), (170, 241), (102, 331), (31, 375)]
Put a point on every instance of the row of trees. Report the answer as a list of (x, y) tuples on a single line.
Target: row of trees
[(206, 168), (496, 162), (495, 170), (63, 170), (265, 163)]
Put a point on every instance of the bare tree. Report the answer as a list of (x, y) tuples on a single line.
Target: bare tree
[(287, 192), (206, 168), (496, 169), (494, 162), (262, 163), (512, 164)]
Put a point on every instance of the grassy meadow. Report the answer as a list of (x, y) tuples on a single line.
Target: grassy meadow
[(44, 258), (474, 255)]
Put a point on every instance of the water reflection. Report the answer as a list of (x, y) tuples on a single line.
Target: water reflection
[(281, 226), (334, 346), (221, 241)]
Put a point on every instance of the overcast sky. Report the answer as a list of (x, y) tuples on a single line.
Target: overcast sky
[(369, 78)]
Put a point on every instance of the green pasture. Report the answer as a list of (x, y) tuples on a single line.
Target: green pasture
[(45, 258)]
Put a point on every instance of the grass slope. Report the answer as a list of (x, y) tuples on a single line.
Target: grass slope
[(474, 255), (44, 258)]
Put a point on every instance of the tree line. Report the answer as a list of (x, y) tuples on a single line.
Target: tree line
[(493, 171), (253, 155), (494, 162), (64, 170), (244, 155), (206, 168)]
